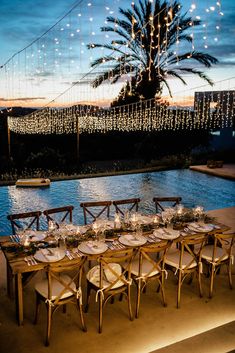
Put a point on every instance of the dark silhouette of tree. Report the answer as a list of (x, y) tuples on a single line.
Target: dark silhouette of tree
[(150, 48)]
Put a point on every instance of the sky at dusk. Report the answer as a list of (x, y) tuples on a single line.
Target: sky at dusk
[(48, 67)]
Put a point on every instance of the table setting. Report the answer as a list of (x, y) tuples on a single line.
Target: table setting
[(49, 255)]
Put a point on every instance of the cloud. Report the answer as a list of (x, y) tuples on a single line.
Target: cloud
[(25, 99)]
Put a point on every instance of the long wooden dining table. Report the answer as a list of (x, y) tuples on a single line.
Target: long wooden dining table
[(17, 265)]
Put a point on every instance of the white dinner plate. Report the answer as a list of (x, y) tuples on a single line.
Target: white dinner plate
[(145, 219), (132, 240), (166, 234), (92, 247), (54, 255), (37, 236), (201, 227)]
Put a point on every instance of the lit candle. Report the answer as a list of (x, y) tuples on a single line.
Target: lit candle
[(26, 242), (180, 209), (155, 220), (117, 221)]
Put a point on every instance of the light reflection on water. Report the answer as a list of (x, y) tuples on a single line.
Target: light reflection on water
[(194, 188)]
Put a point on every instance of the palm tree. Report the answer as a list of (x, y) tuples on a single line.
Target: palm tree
[(148, 49)]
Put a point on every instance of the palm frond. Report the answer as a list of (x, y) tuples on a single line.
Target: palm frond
[(146, 48)]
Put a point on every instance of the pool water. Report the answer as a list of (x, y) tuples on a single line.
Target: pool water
[(195, 189)]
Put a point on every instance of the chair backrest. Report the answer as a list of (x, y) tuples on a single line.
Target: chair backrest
[(124, 257), (59, 214), (95, 209), (172, 201), (64, 285), (224, 241), (192, 244), (156, 263), (133, 204), (26, 220)]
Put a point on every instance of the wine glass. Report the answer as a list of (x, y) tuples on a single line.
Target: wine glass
[(95, 227), (117, 220), (21, 235), (101, 236)]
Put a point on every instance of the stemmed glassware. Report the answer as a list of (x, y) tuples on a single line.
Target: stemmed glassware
[(95, 227), (134, 223), (198, 212), (167, 216), (117, 220)]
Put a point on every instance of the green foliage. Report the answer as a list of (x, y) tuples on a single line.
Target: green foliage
[(144, 48)]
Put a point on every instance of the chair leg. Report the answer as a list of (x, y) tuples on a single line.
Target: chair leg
[(38, 301), (10, 281), (138, 299), (100, 312), (230, 275), (120, 297), (200, 284), (179, 289), (211, 281), (49, 318), (129, 302), (79, 305), (88, 297), (162, 287)]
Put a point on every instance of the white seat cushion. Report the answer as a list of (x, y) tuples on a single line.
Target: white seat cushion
[(93, 276), (42, 288), (173, 258), (207, 253), (146, 267)]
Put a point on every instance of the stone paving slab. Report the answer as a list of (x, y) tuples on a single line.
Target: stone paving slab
[(227, 171)]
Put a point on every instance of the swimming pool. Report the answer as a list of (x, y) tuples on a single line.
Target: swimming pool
[(195, 189)]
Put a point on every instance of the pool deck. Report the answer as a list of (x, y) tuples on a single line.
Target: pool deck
[(227, 171)]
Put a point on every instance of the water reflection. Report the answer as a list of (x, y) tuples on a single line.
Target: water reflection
[(194, 188)]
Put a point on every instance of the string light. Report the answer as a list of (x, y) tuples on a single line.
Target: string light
[(145, 115)]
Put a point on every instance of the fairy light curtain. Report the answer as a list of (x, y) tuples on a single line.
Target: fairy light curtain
[(60, 55), (211, 110), (51, 64)]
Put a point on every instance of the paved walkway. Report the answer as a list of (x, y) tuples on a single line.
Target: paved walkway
[(227, 171)]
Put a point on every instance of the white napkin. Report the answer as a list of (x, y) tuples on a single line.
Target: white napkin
[(95, 247), (166, 233), (50, 257), (132, 239)]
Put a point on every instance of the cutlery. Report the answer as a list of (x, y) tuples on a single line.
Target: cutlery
[(76, 252), (26, 259), (69, 255), (34, 262)]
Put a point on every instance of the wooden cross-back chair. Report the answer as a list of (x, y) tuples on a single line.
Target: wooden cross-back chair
[(187, 260), (110, 277), (149, 265), (62, 286), (218, 254), (30, 220), (95, 209), (21, 221), (133, 204), (59, 214), (172, 201)]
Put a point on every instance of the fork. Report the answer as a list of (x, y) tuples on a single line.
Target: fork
[(33, 261), (26, 259), (69, 255), (77, 252)]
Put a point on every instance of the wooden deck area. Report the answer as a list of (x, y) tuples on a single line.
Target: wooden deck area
[(227, 171)]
